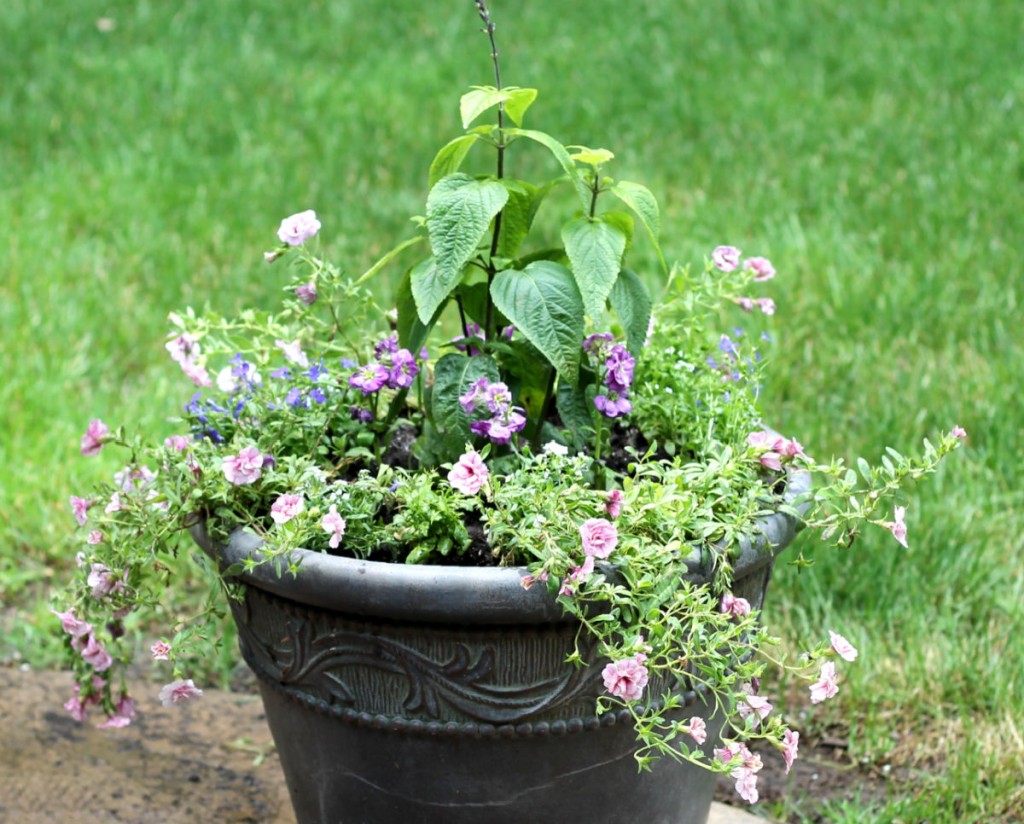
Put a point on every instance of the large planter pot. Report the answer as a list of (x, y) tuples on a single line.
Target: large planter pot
[(441, 694)]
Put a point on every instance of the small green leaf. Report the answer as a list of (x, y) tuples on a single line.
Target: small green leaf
[(595, 251), (517, 102), (459, 211), (448, 160), (386, 259), (632, 304), (640, 199), (574, 408), (543, 302), (561, 154), (474, 103), (591, 157)]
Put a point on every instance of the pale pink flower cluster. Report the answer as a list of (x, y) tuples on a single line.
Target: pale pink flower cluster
[(124, 712), (766, 305), (746, 770), (958, 432), (773, 449), (753, 706), (96, 434), (84, 642), (243, 468), (78, 707), (469, 474), (186, 352), (827, 684), (286, 507), (898, 526), (298, 228), (293, 352), (333, 524), (626, 678), (736, 607), (179, 692), (103, 581)]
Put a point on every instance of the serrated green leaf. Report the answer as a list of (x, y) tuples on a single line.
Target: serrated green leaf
[(453, 375), (574, 409), (459, 211), (412, 332), (477, 101), (561, 154), (640, 199), (516, 217), (517, 102), (448, 160), (595, 251), (632, 304), (543, 302)]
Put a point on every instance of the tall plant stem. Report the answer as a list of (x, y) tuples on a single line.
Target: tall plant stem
[(485, 15)]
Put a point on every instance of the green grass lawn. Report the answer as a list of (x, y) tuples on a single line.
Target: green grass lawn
[(872, 150)]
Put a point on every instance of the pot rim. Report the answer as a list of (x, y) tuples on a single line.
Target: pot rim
[(455, 594)]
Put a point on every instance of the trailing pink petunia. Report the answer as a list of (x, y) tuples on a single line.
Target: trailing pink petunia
[(843, 648), (626, 678), (298, 228), (599, 537), (95, 436), (286, 507), (827, 685), (790, 745), (698, 729), (333, 524), (731, 605), (726, 258), (243, 468), (179, 692), (469, 474), (897, 526)]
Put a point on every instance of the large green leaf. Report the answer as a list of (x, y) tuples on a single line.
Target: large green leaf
[(412, 332), (595, 252), (561, 154), (631, 302), (640, 199), (543, 302), (516, 217), (448, 160), (453, 375), (459, 210), (576, 412)]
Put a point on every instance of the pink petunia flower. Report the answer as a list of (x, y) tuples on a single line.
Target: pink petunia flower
[(577, 576), (306, 292), (293, 352), (179, 692), (183, 349), (161, 651), (95, 537), (96, 655), (790, 745), (469, 474), (599, 537), (123, 714), (762, 268), (94, 438), (766, 305), (626, 678), (243, 468), (103, 581), (698, 730), (731, 605), (196, 373), (958, 432), (298, 228), (826, 686), (613, 506), (746, 784), (754, 705), (897, 526), (333, 524), (286, 507), (843, 648), (73, 626), (115, 504), (726, 258), (79, 508), (177, 442)]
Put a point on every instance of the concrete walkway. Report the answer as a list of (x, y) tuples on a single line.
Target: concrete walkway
[(211, 762)]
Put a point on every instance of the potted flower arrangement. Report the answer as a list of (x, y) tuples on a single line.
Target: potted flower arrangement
[(500, 544)]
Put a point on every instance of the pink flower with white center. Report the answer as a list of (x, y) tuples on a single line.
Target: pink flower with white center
[(124, 712), (72, 625), (177, 442), (243, 468), (79, 508), (293, 352), (897, 526), (746, 784), (843, 648), (96, 655), (469, 474), (698, 730), (161, 651), (103, 581), (761, 267), (790, 745), (183, 349), (179, 692), (286, 507), (826, 686), (197, 373), (115, 504), (94, 438), (298, 228), (599, 537), (726, 258), (766, 305), (754, 705), (613, 506), (95, 537), (334, 525), (958, 432), (763, 439), (626, 678), (731, 605)]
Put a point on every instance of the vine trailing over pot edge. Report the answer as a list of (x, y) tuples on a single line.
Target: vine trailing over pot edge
[(521, 404)]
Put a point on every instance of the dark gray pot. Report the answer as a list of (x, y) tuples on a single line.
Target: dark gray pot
[(416, 694)]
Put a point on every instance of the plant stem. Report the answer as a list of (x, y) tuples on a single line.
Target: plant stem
[(485, 15)]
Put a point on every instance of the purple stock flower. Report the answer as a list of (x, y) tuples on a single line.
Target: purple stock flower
[(306, 292), (370, 378), (473, 331), (385, 348), (597, 343), (360, 414), (404, 369), (473, 396), (613, 406), (620, 365)]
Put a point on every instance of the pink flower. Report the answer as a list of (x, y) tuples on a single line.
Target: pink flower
[(746, 304), (102, 581), (286, 507), (897, 527), (197, 373), (469, 474), (124, 712), (134, 479), (790, 745), (178, 442), (746, 784), (298, 228), (726, 258), (577, 576), (599, 537), (306, 292), (79, 508), (626, 678), (613, 506), (766, 305), (958, 432), (698, 730), (293, 352), (160, 650), (751, 705), (77, 707), (333, 524), (843, 648), (183, 349), (94, 438), (731, 605), (243, 468), (95, 537), (789, 449), (96, 655), (762, 268), (826, 686), (746, 773), (72, 625), (115, 504), (179, 692)]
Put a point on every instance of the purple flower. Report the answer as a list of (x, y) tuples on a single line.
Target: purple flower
[(94, 438), (360, 414), (306, 292), (404, 369), (620, 366), (370, 378), (473, 396), (473, 331), (597, 343), (613, 406), (385, 348), (726, 258), (294, 398), (317, 395), (298, 228), (284, 373), (316, 371)]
